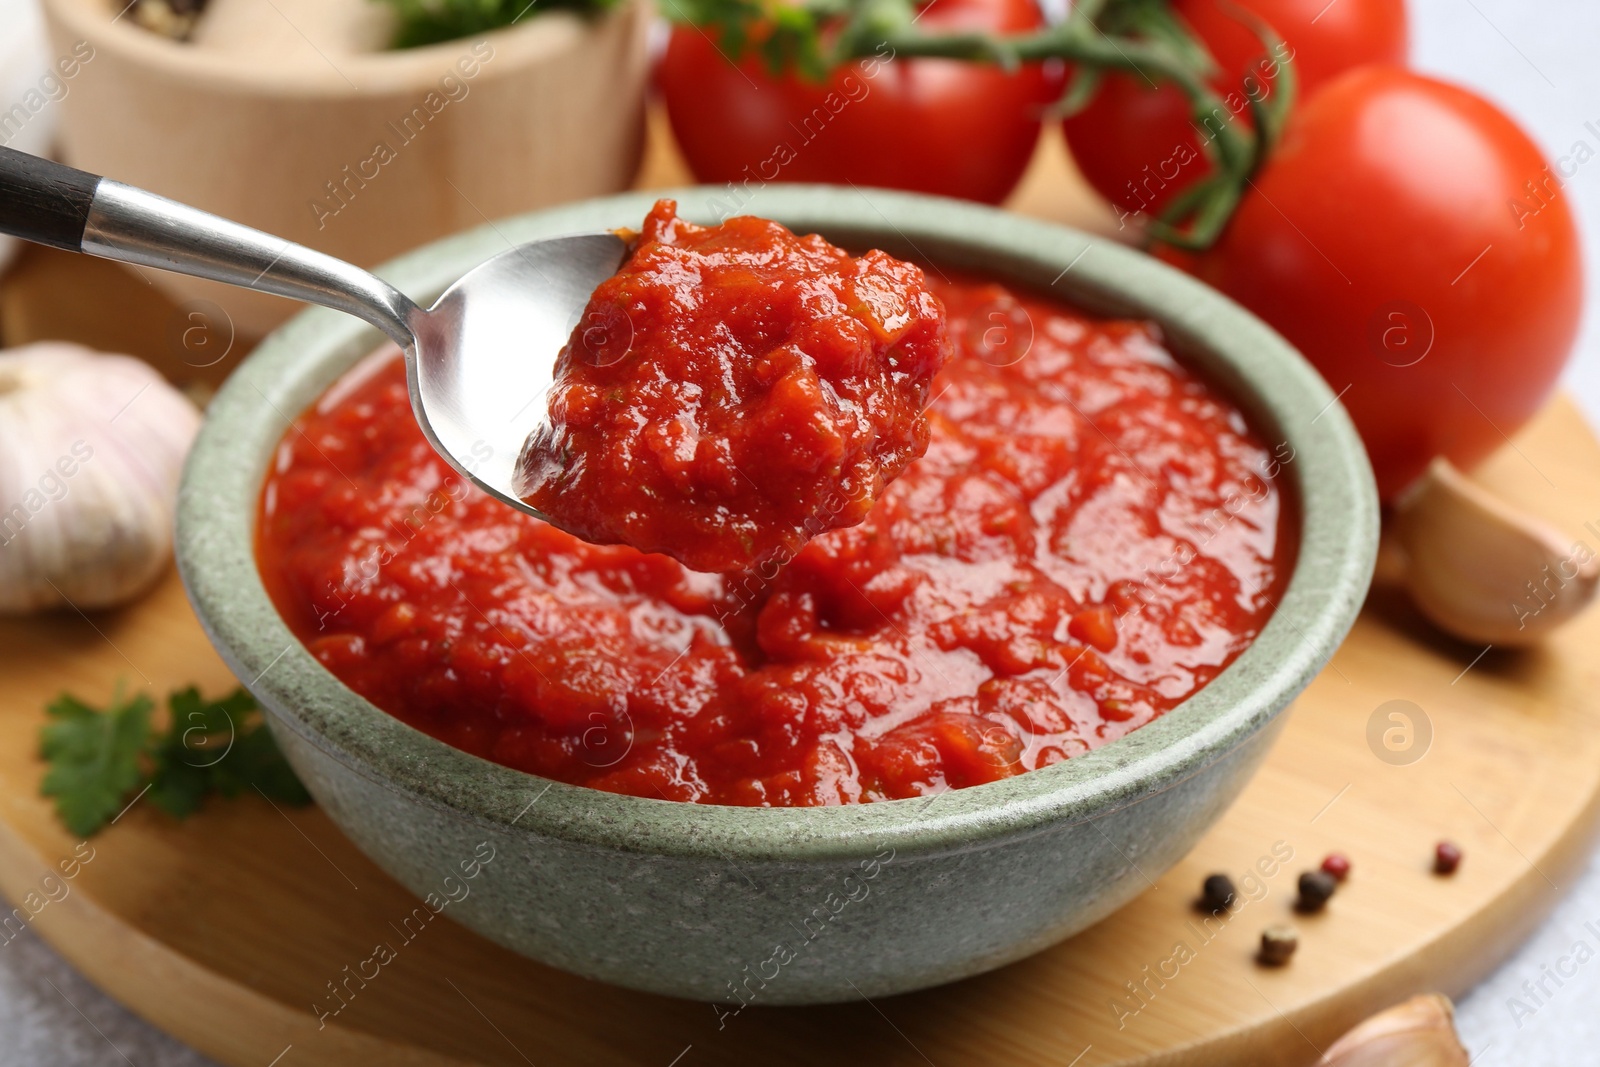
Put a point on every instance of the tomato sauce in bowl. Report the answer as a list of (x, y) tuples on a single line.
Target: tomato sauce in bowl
[(1093, 534)]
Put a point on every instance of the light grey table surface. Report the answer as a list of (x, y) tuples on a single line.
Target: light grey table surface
[(1538, 58)]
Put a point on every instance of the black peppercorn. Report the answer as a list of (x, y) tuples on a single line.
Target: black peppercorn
[(1315, 889), (1217, 893)]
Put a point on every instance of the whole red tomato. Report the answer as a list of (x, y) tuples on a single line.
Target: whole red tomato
[(929, 125), (1410, 239), (1136, 143)]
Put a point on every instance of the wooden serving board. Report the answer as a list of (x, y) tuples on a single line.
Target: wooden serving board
[(225, 929)]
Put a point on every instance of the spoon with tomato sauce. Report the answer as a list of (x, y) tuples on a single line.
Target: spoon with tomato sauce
[(475, 361), (728, 394), (733, 391)]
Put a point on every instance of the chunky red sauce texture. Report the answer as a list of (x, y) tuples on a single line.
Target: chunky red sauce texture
[(733, 391), (1091, 537)]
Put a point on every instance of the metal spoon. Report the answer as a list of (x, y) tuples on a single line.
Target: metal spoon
[(478, 362)]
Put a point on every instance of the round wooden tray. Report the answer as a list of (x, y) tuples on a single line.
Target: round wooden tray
[(226, 930)]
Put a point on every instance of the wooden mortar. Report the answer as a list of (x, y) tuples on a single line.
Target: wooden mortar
[(357, 152)]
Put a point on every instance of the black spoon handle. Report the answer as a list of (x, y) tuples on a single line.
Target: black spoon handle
[(43, 201)]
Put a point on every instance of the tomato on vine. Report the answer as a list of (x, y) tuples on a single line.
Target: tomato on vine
[(1135, 139), (1412, 241)]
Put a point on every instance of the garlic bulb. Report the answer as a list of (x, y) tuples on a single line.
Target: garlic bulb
[(91, 447), (1420, 1032)]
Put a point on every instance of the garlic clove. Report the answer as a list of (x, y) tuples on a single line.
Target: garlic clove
[(91, 449), (1484, 571), (1419, 1032)]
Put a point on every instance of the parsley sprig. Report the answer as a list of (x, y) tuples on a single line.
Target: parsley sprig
[(99, 760)]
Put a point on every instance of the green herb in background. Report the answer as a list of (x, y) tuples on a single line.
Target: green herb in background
[(100, 760), (782, 34), (431, 21)]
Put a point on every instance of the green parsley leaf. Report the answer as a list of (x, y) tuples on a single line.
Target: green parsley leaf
[(256, 763), (95, 758), (178, 789), (222, 747), (100, 759)]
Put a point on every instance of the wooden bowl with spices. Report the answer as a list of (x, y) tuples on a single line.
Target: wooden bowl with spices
[(297, 117)]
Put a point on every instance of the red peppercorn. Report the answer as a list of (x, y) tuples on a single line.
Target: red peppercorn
[(1446, 857), (1336, 865)]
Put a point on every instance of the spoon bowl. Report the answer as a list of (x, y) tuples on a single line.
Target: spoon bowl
[(484, 354)]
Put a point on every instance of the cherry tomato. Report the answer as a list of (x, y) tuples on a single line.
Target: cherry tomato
[(929, 125), (1135, 142), (1411, 240)]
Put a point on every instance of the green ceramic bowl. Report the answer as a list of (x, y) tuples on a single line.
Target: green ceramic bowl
[(792, 906)]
